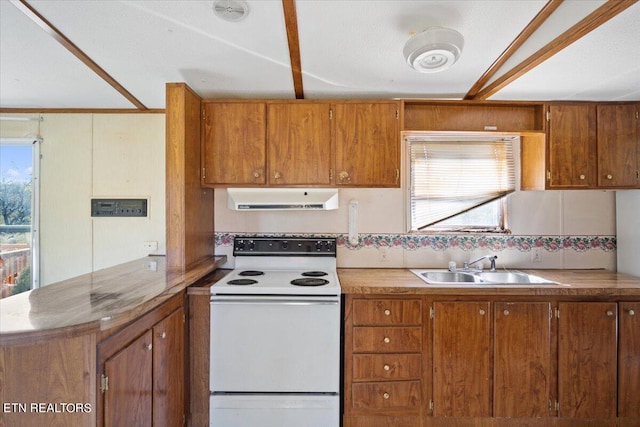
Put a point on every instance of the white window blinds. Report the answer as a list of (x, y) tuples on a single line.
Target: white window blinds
[(453, 174)]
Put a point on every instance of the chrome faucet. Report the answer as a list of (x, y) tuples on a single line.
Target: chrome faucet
[(491, 258)]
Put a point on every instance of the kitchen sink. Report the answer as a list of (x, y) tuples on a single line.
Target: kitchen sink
[(469, 278)]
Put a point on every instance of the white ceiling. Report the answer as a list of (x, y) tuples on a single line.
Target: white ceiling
[(348, 49)]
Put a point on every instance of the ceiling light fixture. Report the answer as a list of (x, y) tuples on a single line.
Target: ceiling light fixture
[(433, 50), (231, 10)]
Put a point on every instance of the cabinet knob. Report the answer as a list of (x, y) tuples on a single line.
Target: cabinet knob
[(582, 177), (609, 313), (344, 176), (609, 176), (632, 312), (277, 175), (386, 367), (148, 346), (256, 174), (163, 335), (482, 312), (506, 312), (386, 396), (386, 340), (387, 312)]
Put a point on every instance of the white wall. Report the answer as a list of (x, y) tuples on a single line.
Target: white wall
[(382, 214), (96, 155), (628, 223)]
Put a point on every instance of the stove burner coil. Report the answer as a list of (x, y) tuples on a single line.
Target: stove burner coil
[(242, 282), (251, 273), (314, 273), (309, 281)]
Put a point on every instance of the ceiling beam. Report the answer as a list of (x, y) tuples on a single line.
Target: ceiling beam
[(596, 18), (291, 23), (58, 36), (535, 23)]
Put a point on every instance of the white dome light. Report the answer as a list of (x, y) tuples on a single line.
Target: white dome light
[(433, 50)]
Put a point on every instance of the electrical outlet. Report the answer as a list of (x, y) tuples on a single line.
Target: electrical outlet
[(536, 255), (151, 246), (384, 254)]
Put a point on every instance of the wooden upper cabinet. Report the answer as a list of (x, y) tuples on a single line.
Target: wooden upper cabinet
[(367, 138), (461, 359), (571, 146), (629, 360), (617, 146), (587, 360), (234, 143), (522, 359), (299, 144)]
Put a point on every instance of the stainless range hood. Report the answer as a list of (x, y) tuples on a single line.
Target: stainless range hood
[(270, 199)]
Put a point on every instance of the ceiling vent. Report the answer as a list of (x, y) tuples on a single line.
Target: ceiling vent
[(433, 50), (231, 10)]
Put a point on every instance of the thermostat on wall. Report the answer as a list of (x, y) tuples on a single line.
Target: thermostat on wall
[(118, 207)]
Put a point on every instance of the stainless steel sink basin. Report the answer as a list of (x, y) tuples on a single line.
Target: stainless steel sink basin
[(509, 277), (471, 278)]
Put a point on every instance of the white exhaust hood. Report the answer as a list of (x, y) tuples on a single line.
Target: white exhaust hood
[(270, 199)]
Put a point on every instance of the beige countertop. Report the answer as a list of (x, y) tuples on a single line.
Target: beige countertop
[(594, 283), (97, 301)]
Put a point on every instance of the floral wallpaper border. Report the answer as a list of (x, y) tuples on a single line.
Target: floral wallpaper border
[(444, 242)]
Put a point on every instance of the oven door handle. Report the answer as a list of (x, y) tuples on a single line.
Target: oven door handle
[(283, 301)]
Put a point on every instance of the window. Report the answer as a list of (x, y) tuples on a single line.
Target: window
[(458, 182), (19, 188)]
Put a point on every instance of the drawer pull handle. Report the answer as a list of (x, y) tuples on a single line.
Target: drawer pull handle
[(609, 176), (163, 335), (632, 312), (386, 367), (386, 340), (609, 313), (387, 312), (582, 177), (482, 312), (506, 312), (386, 396), (148, 346)]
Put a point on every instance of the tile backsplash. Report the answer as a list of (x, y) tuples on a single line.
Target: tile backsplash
[(549, 229)]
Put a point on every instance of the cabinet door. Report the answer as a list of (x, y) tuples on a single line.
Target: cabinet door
[(617, 146), (461, 359), (234, 143), (587, 360), (367, 144), (629, 360), (572, 139), (522, 359), (299, 141), (128, 400), (169, 370)]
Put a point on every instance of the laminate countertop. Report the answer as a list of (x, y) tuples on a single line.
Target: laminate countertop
[(591, 283), (96, 301)]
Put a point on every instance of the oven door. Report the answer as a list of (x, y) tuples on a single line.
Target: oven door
[(275, 344)]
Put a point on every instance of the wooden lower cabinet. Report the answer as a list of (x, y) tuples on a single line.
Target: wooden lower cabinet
[(142, 372), (629, 361)]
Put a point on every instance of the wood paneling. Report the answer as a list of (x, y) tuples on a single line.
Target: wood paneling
[(234, 143), (199, 323), (587, 360), (299, 144), (522, 359), (629, 361), (189, 212), (58, 371), (532, 162), (461, 359)]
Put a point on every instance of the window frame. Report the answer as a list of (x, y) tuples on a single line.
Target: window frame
[(503, 227)]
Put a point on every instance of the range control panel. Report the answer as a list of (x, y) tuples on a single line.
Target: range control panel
[(293, 246), (118, 207)]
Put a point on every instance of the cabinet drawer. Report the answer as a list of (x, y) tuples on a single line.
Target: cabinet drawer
[(380, 367), (392, 339), (384, 395), (387, 312)]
